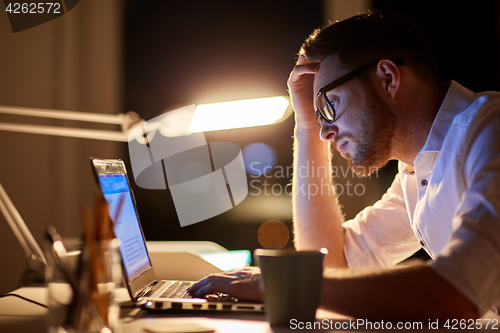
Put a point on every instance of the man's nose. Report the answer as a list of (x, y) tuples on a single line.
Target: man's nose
[(328, 131)]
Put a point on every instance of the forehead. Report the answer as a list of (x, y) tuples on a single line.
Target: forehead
[(329, 70)]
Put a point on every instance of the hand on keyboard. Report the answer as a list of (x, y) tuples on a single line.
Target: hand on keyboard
[(243, 285)]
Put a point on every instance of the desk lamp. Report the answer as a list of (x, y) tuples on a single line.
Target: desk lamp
[(206, 117)]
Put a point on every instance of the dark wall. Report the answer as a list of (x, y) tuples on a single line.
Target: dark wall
[(182, 52), (463, 35)]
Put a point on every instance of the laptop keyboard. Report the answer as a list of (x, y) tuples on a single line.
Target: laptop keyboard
[(177, 290)]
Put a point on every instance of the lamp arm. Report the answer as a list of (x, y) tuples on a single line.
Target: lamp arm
[(20, 229), (126, 121), (67, 132), (63, 114)]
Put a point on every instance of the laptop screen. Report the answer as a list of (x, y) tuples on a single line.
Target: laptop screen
[(127, 228)]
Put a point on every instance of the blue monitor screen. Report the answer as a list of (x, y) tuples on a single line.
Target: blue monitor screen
[(126, 224)]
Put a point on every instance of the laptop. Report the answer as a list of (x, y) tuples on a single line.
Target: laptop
[(139, 276)]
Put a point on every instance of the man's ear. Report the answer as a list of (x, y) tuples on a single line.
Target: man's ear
[(389, 76)]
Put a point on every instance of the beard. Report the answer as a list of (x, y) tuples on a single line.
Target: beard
[(373, 145)]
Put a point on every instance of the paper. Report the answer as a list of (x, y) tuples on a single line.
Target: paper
[(179, 327)]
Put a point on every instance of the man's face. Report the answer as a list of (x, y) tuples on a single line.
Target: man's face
[(364, 126)]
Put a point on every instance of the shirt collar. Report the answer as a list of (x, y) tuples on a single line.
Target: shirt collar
[(457, 99)]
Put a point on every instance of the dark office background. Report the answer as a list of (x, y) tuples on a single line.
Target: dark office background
[(188, 52), (154, 56)]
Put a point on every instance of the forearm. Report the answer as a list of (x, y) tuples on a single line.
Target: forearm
[(317, 215), (405, 294)]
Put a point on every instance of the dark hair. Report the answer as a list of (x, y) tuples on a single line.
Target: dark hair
[(370, 36)]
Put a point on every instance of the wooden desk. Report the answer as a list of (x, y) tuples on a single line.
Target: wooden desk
[(17, 315)]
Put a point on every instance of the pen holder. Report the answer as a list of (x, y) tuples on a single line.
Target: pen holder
[(82, 286), (60, 293)]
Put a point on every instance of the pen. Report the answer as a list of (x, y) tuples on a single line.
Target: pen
[(60, 258)]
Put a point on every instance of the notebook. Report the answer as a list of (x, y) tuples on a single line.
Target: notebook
[(138, 271)]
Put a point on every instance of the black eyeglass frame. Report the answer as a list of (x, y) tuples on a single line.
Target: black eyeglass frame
[(340, 81)]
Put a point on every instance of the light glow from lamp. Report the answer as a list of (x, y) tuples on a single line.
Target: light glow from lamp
[(238, 114)]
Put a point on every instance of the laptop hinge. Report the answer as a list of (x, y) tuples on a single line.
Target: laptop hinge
[(147, 291)]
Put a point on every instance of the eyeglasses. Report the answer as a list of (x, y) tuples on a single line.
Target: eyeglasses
[(324, 108)]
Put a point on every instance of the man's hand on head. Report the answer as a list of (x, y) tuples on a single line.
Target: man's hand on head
[(300, 88), (242, 284)]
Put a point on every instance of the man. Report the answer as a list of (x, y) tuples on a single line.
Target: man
[(371, 83)]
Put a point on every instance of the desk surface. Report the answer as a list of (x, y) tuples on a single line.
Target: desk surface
[(18, 315)]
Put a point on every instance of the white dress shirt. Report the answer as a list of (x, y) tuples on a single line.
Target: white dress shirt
[(448, 202)]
